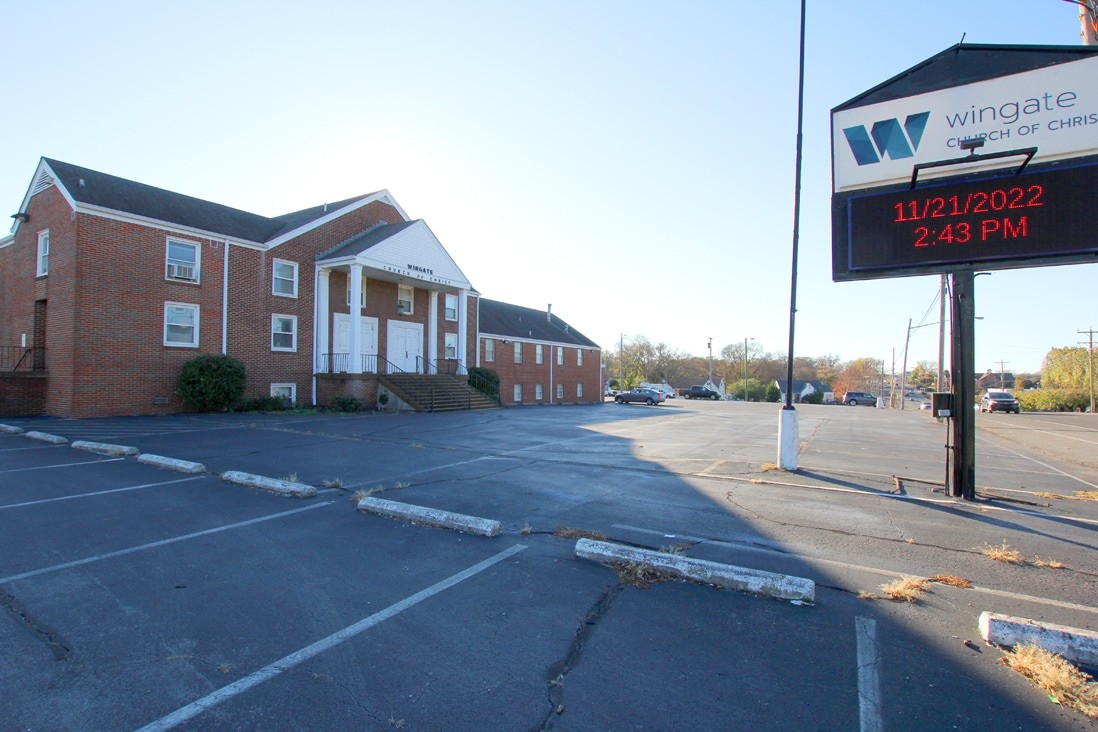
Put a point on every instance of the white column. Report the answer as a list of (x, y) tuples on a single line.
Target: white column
[(432, 332), (356, 319), (320, 319), (463, 329)]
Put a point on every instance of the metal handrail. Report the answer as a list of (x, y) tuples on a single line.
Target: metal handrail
[(37, 356)]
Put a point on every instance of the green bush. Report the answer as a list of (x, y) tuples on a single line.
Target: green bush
[(486, 381), (211, 383), (1053, 400), (346, 404), (773, 393), (813, 398)]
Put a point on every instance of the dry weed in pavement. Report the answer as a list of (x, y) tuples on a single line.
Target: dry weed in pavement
[(1048, 494), (767, 467), (1047, 563), (951, 579), (563, 532), (1003, 554), (1086, 496), (333, 483), (639, 575), (1063, 683), (905, 589), (365, 493)]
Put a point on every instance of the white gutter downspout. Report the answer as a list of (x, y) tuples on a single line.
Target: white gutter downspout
[(225, 302), (552, 360), (316, 319)]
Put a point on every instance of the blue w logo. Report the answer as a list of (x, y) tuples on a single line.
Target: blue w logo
[(887, 139)]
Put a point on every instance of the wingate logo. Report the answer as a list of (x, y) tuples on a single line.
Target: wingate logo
[(887, 138)]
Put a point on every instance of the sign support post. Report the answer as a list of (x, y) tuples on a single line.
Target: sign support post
[(963, 374)]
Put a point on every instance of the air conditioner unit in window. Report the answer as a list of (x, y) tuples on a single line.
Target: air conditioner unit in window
[(181, 272)]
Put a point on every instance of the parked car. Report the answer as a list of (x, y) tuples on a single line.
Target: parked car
[(925, 405), (640, 394), (999, 401), (859, 398), (701, 392)]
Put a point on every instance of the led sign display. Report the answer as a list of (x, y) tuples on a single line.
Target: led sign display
[(1046, 216)]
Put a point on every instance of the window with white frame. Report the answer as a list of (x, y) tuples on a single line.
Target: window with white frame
[(489, 349), (361, 295), (405, 298), (284, 279), (451, 307), (283, 332), (285, 391), (560, 355), (181, 324), (518, 392), (183, 261), (538, 392), (579, 391), (560, 391), (579, 356), (451, 345), (539, 354), (42, 259), (518, 351)]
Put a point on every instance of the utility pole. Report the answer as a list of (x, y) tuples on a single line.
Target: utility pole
[(892, 382), (745, 340), (1090, 363), (1002, 373), (903, 370), (710, 359)]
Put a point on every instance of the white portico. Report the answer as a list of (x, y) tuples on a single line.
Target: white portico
[(412, 304)]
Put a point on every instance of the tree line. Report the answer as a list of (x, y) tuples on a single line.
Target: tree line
[(642, 360)]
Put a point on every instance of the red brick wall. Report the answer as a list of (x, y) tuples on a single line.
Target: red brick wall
[(529, 373), (22, 395)]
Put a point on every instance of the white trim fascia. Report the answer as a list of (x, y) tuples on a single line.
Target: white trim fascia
[(382, 196), (7, 241), (528, 339)]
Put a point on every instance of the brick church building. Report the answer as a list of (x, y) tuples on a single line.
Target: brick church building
[(108, 286)]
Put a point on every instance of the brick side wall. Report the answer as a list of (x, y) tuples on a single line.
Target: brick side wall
[(549, 374), (22, 395)]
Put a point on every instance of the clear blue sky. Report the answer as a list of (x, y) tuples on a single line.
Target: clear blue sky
[(629, 162)]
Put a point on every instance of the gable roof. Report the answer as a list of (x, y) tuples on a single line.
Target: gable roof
[(91, 188), (363, 241), (106, 191), (514, 321), (964, 64)]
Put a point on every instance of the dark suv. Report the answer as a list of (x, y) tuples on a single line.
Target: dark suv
[(701, 392), (999, 401), (863, 398)]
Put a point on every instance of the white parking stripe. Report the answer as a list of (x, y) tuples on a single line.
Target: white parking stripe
[(869, 677), (288, 662), (154, 544), (63, 465), (96, 493)]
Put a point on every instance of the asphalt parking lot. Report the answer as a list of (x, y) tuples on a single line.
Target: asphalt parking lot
[(142, 598)]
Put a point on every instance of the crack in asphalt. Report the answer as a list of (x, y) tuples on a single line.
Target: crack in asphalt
[(57, 645), (557, 671)]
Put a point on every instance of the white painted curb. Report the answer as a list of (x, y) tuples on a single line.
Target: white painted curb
[(431, 516), (9, 429), (1074, 644), (782, 586), (284, 487), (104, 449), (182, 466), (53, 439)]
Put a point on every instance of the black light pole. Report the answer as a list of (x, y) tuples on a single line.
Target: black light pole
[(788, 437)]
